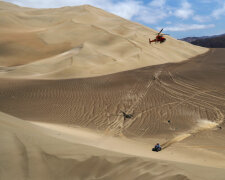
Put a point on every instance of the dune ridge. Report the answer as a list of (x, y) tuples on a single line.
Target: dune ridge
[(150, 93), (65, 76), (34, 158), (107, 43)]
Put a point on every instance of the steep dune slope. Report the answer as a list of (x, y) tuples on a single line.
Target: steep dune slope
[(106, 43), (50, 99)]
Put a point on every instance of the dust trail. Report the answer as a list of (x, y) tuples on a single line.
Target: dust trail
[(202, 125)]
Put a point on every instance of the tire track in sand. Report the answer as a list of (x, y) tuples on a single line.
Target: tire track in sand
[(133, 98), (201, 125)]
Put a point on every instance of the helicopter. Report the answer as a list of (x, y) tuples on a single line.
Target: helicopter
[(158, 38), (125, 115)]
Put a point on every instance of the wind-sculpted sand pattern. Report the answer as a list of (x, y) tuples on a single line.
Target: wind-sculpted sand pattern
[(67, 74), (162, 98)]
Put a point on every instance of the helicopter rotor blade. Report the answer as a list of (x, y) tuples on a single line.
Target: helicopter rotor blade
[(160, 31)]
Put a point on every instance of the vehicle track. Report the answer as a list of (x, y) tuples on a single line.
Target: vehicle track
[(133, 98), (194, 101)]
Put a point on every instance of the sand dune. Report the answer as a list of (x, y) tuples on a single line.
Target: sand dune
[(107, 43), (154, 94), (42, 153), (193, 141), (65, 75)]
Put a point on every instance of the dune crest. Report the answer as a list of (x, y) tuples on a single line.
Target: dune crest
[(45, 153), (58, 121), (108, 43)]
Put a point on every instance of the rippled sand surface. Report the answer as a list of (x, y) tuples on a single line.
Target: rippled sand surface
[(60, 106)]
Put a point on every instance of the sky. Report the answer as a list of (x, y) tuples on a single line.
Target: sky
[(179, 18)]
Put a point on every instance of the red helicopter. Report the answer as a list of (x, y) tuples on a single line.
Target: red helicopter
[(158, 38)]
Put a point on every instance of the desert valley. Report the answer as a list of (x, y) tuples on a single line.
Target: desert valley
[(67, 73)]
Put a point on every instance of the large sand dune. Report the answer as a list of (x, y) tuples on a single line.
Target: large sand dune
[(194, 143), (60, 99), (79, 42)]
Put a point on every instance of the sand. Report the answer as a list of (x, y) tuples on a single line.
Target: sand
[(79, 41), (44, 151), (60, 115)]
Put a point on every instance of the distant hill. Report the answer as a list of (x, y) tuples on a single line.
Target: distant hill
[(217, 41), (191, 39)]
